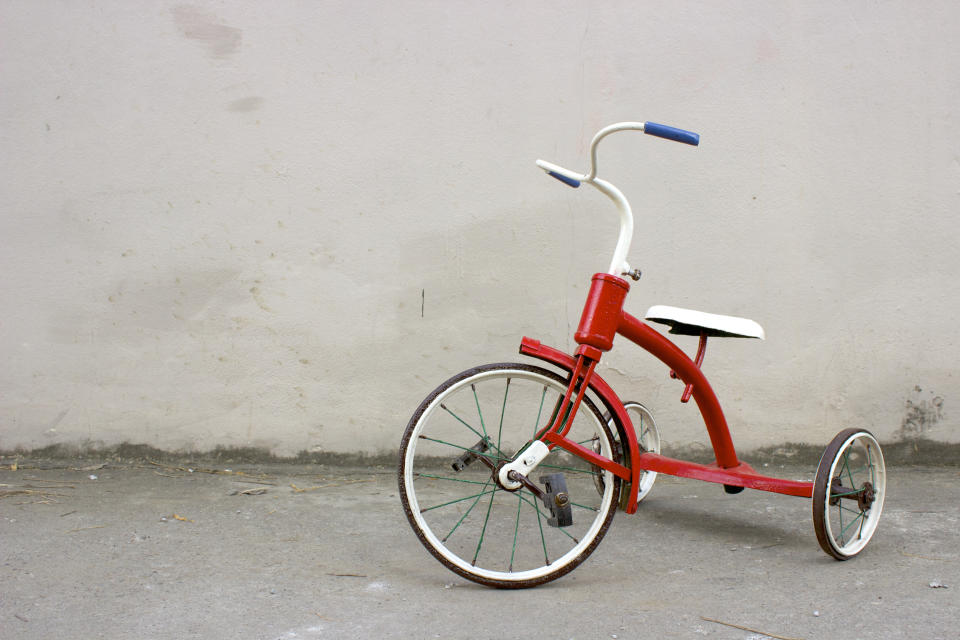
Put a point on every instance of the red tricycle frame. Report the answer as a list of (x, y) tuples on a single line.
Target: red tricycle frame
[(526, 507), (603, 318)]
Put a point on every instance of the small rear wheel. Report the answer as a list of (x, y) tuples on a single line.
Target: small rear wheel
[(848, 493), (648, 439)]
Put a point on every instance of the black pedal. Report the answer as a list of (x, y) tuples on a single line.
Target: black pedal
[(731, 489), (469, 455), (557, 500)]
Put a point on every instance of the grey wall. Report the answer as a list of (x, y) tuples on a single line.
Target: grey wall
[(281, 224)]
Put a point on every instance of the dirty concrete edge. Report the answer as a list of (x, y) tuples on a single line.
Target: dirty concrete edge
[(914, 452)]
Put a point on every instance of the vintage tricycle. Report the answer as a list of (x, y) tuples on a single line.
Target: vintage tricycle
[(510, 474)]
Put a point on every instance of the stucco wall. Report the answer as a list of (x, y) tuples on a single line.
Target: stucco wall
[(281, 224)]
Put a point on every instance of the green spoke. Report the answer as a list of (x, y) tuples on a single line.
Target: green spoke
[(845, 493), (846, 465), (857, 512), (543, 539), (861, 469), (539, 411), (516, 533), (583, 506), (840, 515), (570, 469), (447, 504), (483, 531), (464, 423), (449, 479), (495, 458), (853, 522), (479, 413), (464, 516), (503, 410), (537, 507)]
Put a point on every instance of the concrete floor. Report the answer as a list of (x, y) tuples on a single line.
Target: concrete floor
[(149, 551)]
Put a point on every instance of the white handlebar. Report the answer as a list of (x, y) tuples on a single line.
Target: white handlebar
[(618, 265)]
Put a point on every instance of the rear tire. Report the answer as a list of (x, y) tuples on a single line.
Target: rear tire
[(848, 493)]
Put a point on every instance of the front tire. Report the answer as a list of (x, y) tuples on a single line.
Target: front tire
[(458, 510)]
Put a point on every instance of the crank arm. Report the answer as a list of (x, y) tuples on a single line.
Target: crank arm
[(516, 476)]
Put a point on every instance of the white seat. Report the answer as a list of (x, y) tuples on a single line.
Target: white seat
[(687, 322)]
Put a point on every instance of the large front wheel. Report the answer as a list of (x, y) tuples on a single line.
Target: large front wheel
[(457, 438)]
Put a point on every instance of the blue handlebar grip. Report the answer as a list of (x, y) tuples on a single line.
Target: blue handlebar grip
[(570, 181), (671, 133)]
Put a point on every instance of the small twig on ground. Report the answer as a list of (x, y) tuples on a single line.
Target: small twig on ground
[(248, 492), (742, 628), (5, 493), (216, 472), (20, 617), (68, 513), (347, 575), (167, 475), (99, 526), (914, 555), (52, 486), (297, 489), (92, 467)]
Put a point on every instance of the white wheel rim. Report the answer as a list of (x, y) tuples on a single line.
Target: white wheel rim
[(437, 544), (879, 480), (649, 439)]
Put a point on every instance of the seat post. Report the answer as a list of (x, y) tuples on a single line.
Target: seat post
[(701, 351)]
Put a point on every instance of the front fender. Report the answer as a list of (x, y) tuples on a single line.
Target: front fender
[(613, 404)]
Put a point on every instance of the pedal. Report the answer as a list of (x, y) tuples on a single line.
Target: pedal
[(732, 489), (557, 500), (469, 455)]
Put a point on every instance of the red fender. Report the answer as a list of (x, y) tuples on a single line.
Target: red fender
[(630, 472)]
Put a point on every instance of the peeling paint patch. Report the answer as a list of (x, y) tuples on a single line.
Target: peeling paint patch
[(221, 40), (923, 410)]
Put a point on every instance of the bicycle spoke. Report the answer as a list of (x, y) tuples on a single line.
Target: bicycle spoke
[(855, 520), (447, 504), (570, 469), (467, 425), (503, 411), (543, 539), (583, 506), (846, 465), (483, 531), (464, 516), (449, 479), (536, 425), (479, 413), (462, 448), (461, 421), (537, 507), (516, 532)]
